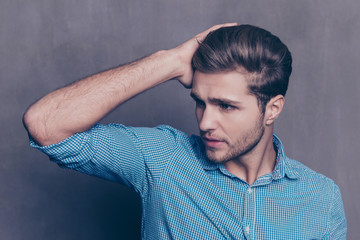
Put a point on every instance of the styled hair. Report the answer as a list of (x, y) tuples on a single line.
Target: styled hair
[(265, 58)]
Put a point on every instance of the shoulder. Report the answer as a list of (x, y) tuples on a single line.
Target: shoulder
[(310, 179), (162, 137), (164, 132), (320, 197)]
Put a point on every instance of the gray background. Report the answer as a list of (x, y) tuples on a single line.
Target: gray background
[(47, 44)]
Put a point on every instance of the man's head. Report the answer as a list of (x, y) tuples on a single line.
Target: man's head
[(241, 77), (262, 55)]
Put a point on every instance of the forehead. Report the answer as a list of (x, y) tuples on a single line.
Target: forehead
[(230, 84)]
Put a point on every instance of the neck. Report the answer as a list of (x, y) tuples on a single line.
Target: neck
[(256, 163)]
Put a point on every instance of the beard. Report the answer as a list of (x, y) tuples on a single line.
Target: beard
[(243, 145)]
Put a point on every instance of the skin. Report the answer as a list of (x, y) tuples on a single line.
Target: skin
[(233, 129)]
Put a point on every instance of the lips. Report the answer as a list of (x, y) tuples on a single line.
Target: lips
[(212, 142)]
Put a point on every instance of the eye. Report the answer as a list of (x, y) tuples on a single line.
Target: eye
[(199, 104), (226, 107)]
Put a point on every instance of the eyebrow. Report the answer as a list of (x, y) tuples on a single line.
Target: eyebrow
[(216, 100), (194, 96)]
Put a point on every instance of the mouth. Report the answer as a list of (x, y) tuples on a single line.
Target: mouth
[(212, 142)]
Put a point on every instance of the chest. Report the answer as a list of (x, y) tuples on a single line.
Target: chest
[(200, 203)]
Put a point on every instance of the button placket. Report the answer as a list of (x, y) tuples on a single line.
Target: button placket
[(249, 212)]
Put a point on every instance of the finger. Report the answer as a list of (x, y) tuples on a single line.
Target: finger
[(201, 36), (215, 27)]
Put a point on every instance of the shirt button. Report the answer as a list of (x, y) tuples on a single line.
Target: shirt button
[(247, 229), (249, 190)]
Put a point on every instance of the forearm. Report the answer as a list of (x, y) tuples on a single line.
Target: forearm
[(77, 107)]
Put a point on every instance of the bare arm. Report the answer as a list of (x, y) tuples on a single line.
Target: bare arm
[(77, 107)]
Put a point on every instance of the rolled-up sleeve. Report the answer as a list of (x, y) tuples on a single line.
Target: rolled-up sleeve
[(132, 156)]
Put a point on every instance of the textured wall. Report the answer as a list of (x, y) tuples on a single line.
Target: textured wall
[(47, 44)]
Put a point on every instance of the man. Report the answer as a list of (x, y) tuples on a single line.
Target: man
[(231, 182)]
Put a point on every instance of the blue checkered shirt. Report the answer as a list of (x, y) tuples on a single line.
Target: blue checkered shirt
[(185, 196)]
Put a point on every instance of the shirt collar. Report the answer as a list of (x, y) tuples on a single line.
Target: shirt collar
[(282, 168)]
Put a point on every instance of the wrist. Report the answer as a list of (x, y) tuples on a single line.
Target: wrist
[(175, 62)]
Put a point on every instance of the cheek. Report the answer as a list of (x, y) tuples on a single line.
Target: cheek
[(239, 122)]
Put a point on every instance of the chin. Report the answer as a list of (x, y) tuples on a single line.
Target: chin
[(216, 157)]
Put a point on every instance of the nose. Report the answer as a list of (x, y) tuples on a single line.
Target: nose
[(206, 119)]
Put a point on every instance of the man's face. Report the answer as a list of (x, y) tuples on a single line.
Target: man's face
[(229, 118)]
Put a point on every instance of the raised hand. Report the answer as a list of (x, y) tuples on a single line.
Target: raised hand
[(186, 51)]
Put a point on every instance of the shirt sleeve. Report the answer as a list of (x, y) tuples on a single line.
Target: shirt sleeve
[(337, 226), (135, 157)]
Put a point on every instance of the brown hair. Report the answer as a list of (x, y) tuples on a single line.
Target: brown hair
[(266, 59)]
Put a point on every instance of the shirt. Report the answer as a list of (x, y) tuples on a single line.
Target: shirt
[(185, 196)]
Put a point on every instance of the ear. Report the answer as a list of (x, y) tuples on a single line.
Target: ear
[(274, 108)]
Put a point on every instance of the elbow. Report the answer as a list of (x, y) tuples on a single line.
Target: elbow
[(35, 126), (26, 120), (42, 127)]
